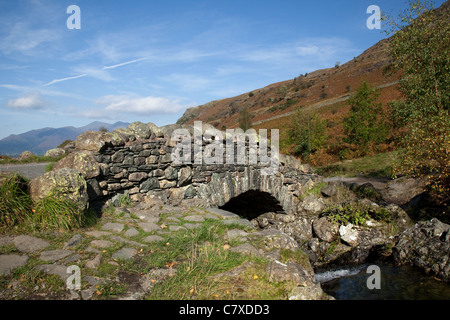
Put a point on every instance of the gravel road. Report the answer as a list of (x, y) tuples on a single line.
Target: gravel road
[(28, 170)]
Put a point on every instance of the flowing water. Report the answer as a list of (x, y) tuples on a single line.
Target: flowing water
[(396, 283)]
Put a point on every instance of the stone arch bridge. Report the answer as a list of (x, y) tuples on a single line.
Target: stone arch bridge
[(138, 161)]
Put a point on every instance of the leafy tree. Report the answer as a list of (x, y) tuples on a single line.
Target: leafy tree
[(103, 129), (364, 125), (307, 132), (245, 119), (420, 48)]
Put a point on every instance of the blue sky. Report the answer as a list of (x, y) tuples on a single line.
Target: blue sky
[(149, 60)]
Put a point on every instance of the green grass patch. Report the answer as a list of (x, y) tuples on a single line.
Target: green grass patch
[(314, 190), (33, 159), (356, 214), (379, 165)]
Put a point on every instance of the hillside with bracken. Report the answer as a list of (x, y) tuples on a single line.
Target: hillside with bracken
[(327, 91)]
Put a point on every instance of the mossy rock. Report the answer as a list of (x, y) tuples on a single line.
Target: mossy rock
[(82, 161), (62, 183)]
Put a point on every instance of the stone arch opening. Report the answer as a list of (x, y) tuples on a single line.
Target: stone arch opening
[(252, 204)]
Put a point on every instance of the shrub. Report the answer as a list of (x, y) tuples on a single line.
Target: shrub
[(364, 124), (245, 119), (420, 48), (307, 132)]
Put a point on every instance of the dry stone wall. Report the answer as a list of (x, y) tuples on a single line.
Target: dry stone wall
[(142, 166)]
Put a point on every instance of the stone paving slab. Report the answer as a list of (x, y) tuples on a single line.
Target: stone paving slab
[(148, 217), (29, 244), (223, 214), (56, 269), (124, 253), (236, 233), (241, 222), (97, 233), (149, 226), (122, 240), (9, 262), (194, 218), (55, 255), (131, 232), (113, 226), (153, 238), (114, 231), (102, 244)]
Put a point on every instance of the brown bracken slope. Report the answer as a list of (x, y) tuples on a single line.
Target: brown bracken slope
[(325, 90)]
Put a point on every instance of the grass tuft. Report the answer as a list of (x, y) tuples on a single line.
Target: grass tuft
[(55, 213), (15, 203)]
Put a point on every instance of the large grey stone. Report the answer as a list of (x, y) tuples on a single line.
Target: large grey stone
[(55, 269), (131, 232), (150, 184), (349, 234), (153, 238), (290, 271), (311, 205), (149, 226), (140, 130), (325, 230), (75, 240), (94, 263), (102, 244), (96, 141), (426, 245), (97, 233), (310, 292), (66, 183), (124, 253), (246, 248), (241, 222), (184, 176), (9, 262), (83, 161), (176, 228), (29, 244), (55, 153), (223, 214), (25, 155), (113, 226), (275, 239), (54, 255), (400, 191), (148, 216), (137, 176), (236, 233), (194, 218), (122, 240)]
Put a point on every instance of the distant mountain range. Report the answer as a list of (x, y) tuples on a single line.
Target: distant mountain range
[(40, 140)]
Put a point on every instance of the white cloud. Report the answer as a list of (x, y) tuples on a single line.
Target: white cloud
[(116, 106), (98, 73), (188, 82), (30, 101), (25, 40), (307, 50), (64, 79), (310, 49)]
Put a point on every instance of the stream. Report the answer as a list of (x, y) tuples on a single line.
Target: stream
[(397, 283)]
